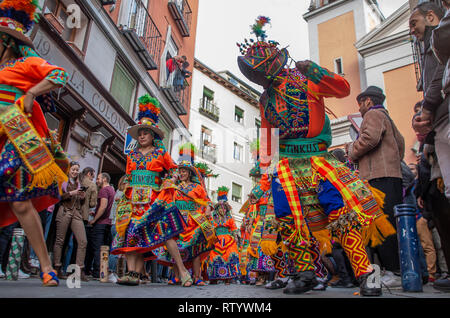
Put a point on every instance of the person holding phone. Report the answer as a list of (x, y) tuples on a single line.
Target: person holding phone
[(69, 214)]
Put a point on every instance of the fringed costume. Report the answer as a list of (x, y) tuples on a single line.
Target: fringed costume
[(223, 262), (191, 199), (146, 216), (33, 165), (314, 196)]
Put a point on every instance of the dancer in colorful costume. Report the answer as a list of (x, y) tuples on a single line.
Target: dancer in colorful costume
[(223, 262), (191, 198), (33, 166), (313, 194), (146, 215)]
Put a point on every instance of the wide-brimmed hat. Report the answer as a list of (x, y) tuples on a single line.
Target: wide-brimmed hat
[(148, 117), (17, 18), (261, 60)]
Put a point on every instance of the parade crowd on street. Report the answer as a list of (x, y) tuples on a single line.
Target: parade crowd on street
[(315, 219)]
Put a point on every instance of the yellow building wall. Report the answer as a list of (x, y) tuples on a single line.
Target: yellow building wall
[(401, 96), (336, 39)]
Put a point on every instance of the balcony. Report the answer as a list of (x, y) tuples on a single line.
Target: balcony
[(209, 109), (208, 152), (177, 91), (182, 14), (143, 35)]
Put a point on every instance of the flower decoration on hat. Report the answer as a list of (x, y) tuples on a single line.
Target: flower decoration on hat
[(205, 170), (18, 15), (148, 117), (222, 193)]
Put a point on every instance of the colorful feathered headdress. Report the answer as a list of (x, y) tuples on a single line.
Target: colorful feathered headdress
[(205, 170), (17, 17), (187, 156), (222, 193), (262, 60), (148, 117)]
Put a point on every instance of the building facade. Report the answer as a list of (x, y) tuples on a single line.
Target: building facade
[(113, 52), (224, 121), (367, 49)]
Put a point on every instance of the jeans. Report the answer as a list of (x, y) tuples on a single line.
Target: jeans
[(5, 237), (98, 236), (112, 261), (46, 219)]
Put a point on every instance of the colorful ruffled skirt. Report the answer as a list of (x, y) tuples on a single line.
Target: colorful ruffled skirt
[(223, 262), (142, 228)]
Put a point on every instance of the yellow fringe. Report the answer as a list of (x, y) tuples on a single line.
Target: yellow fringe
[(47, 176), (269, 247), (324, 239), (377, 232), (378, 195)]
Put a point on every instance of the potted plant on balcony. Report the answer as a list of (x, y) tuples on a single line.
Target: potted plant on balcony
[(54, 21)]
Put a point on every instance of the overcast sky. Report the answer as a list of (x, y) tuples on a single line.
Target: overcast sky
[(222, 23)]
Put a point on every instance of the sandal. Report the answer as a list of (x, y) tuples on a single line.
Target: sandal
[(199, 282), (129, 279), (174, 281), (186, 279), (276, 284), (49, 279), (261, 281)]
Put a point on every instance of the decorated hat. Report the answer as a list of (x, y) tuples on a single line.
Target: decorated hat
[(187, 156), (204, 170), (257, 192), (256, 170), (261, 60), (148, 117), (17, 17), (222, 193)]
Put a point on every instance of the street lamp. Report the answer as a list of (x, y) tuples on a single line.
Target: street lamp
[(96, 140)]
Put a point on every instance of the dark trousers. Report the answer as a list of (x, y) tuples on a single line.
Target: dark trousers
[(437, 203), (97, 235), (388, 251), (343, 265), (6, 234)]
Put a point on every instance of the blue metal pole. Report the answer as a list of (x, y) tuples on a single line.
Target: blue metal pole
[(408, 244)]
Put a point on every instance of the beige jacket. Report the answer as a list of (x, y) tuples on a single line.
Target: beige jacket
[(90, 198), (379, 148)]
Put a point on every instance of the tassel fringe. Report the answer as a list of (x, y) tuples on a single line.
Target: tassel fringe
[(269, 247), (46, 176), (376, 233)]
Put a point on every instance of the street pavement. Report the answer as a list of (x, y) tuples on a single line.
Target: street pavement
[(31, 288)]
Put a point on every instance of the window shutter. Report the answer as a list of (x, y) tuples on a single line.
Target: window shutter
[(236, 190), (209, 94), (239, 112), (122, 87)]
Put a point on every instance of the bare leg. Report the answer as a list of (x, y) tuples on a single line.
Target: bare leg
[(196, 268), (31, 224), (172, 247), (131, 261)]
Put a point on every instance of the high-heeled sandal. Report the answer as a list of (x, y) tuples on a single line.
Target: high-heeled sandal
[(199, 282), (49, 279)]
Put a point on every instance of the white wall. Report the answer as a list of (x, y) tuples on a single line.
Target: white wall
[(224, 134)]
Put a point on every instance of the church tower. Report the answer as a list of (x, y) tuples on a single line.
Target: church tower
[(334, 27)]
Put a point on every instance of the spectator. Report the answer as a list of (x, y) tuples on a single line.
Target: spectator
[(174, 63), (87, 181), (101, 223), (69, 215), (113, 258), (434, 115), (423, 231), (180, 75), (379, 151)]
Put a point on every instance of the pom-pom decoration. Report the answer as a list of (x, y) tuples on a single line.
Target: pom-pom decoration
[(149, 107), (22, 11)]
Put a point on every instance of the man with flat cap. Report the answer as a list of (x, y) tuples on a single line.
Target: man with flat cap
[(379, 150)]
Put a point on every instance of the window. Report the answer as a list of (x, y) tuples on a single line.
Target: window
[(237, 152), (123, 86), (258, 133), (73, 32), (207, 148), (238, 115), (236, 192), (338, 66)]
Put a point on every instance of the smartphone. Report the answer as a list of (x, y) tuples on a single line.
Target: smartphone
[(83, 189)]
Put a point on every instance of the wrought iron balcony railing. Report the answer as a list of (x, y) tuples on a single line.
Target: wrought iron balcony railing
[(209, 109), (143, 34), (177, 90), (208, 152), (182, 14)]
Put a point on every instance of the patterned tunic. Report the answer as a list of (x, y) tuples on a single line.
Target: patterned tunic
[(16, 78)]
